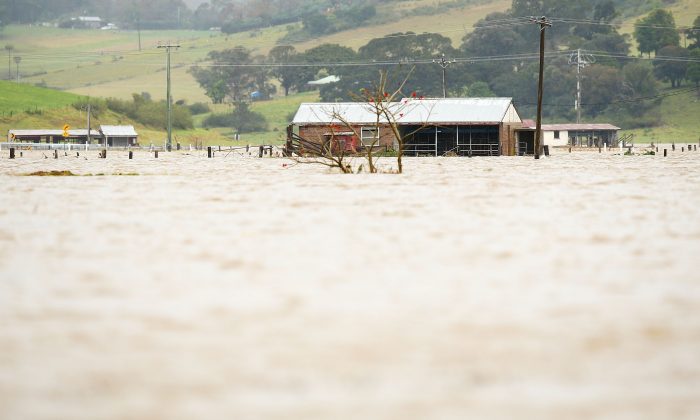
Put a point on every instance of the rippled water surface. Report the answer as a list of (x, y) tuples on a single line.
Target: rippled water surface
[(243, 288)]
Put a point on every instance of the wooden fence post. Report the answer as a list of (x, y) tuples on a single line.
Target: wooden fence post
[(12, 152), (209, 152)]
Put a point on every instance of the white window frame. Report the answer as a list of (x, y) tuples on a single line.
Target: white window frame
[(371, 138)]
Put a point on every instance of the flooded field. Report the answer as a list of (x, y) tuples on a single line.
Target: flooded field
[(244, 288)]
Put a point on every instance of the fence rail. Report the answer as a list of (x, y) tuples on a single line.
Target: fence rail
[(72, 146)]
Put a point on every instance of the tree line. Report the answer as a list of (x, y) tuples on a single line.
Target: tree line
[(318, 16), (617, 84)]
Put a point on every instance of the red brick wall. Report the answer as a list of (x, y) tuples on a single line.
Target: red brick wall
[(315, 133)]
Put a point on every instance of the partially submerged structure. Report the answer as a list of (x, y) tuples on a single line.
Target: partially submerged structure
[(119, 135), (577, 135), (112, 135), (52, 136), (430, 127)]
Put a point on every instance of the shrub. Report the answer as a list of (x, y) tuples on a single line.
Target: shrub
[(143, 110), (97, 106), (198, 108), (242, 119)]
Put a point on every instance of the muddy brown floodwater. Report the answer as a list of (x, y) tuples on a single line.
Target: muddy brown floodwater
[(246, 288)]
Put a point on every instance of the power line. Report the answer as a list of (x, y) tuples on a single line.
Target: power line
[(613, 24), (619, 101)]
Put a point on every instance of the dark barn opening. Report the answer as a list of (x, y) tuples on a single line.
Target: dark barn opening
[(526, 142), (460, 140)]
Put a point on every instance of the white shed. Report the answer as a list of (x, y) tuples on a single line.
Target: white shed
[(119, 135)]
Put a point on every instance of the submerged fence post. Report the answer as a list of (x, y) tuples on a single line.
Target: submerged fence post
[(55, 154), (131, 154), (261, 151), (546, 150), (209, 152), (665, 152), (12, 152)]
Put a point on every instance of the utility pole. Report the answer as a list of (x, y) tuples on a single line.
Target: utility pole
[(9, 49), (444, 63), (169, 98), (88, 123), (18, 59), (138, 29), (544, 24), (580, 61)]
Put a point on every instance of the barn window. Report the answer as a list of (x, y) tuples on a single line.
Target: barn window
[(369, 136), (556, 134)]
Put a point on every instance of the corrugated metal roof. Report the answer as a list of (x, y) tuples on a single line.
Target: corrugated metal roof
[(118, 130), (573, 127), (40, 133), (408, 111)]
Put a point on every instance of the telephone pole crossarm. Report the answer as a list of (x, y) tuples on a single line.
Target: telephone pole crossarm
[(444, 63)]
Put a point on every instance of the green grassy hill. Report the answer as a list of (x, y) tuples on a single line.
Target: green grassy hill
[(679, 116), (17, 98)]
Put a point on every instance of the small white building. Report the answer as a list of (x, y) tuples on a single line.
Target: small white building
[(119, 135), (582, 135), (92, 22)]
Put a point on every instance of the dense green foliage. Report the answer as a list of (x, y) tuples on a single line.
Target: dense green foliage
[(153, 14), (151, 113), (242, 119), (656, 31)]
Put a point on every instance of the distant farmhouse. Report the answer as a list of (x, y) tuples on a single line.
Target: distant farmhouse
[(84, 22), (112, 135)]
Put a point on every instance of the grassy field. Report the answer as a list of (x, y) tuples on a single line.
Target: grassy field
[(680, 116), (16, 98), (108, 63)]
